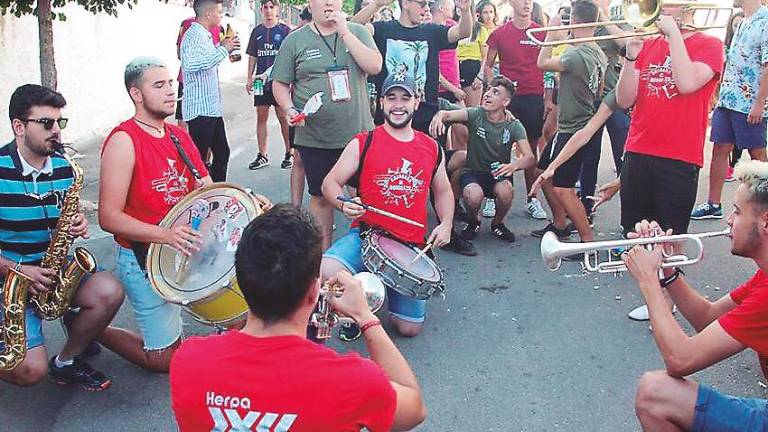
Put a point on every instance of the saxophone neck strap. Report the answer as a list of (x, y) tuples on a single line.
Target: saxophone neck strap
[(184, 156)]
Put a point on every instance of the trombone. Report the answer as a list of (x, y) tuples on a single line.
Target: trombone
[(553, 251), (640, 14)]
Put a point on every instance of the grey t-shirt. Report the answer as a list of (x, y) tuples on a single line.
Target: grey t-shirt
[(490, 142), (579, 85), (303, 62)]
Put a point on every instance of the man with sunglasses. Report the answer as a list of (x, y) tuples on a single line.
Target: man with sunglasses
[(34, 179)]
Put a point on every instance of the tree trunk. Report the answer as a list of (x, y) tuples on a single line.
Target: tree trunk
[(45, 32)]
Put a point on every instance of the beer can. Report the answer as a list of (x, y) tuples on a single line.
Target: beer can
[(258, 87)]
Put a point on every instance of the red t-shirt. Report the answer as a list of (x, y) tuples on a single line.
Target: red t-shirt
[(160, 177), (517, 58), (276, 383), (666, 123), (748, 322), (396, 176), (216, 32), (449, 64)]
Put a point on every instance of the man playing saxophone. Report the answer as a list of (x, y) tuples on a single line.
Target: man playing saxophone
[(34, 183)]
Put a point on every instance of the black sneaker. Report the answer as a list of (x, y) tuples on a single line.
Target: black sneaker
[(287, 162), (94, 348), (561, 233), (350, 332), (79, 373), (502, 232), (460, 246), (571, 227), (470, 231), (260, 162)]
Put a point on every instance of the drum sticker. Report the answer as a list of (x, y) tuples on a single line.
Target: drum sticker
[(234, 239), (219, 230), (233, 208)]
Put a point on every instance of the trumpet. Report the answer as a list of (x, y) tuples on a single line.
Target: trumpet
[(325, 319), (553, 251), (640, 14)]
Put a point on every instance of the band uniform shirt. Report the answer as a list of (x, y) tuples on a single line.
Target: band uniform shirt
[(200, 60), (490, 142), (303, 62), (746, 58), (281, 383), (580, 82), (216, 32), (30, 204), (396, 176), (264, 45), (748, 321), (666, 123), (518, 56), (160, 176)]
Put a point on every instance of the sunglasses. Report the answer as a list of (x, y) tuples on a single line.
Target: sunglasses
[(48, 122)]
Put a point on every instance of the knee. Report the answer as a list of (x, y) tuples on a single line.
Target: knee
[(29, 373), (651, 387), (504, 192), (107, 291), (473, 194), (406, 329)]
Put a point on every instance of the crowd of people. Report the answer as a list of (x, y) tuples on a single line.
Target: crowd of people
[(435, 107)]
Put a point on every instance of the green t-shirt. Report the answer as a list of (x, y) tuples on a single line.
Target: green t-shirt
[(610, 100), (490, 142), (611, 49), (579, 84), (303, 61)]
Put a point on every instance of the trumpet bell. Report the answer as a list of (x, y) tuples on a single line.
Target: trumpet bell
[(374, 289), (550, 248), (641, 13)]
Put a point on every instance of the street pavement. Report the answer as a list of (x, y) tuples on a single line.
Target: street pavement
[(511, 347)]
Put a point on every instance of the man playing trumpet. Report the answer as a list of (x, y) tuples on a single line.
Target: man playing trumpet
[(665, 399)]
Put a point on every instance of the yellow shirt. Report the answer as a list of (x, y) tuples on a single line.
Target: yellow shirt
[(470, 50)]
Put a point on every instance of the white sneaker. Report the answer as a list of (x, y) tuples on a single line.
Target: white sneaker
[(535, 210), (489, 208), (640, 313)]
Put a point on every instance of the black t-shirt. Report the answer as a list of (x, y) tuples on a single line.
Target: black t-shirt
[(413, 51), (264, 44)]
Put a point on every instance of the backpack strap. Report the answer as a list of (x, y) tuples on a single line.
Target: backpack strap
[(354, 181)]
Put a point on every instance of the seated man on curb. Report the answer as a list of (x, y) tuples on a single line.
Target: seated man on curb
[(489, 166), (665, 399)]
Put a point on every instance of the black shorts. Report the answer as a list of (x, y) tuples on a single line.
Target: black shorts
[(468, 71), (267, 99), (178, 101), (567, 174), (317, 163), (484, 179), (659, 189), (529, 109)]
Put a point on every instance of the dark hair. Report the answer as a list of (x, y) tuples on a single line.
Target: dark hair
[(729, 33), (305, 14), (274, 2), (479, 21), (537, 14), (583, 11), (502, 81), (278, 257), (200, 6), (32, 95)]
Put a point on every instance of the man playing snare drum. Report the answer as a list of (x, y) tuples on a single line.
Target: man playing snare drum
[(396, 167)]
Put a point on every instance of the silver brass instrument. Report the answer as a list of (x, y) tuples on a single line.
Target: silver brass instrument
[(553, 251), (325, 319)]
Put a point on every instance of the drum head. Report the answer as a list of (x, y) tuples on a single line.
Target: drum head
[(223, 211), (402, 254)]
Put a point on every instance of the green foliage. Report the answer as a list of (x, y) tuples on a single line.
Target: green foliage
[(26, 7)]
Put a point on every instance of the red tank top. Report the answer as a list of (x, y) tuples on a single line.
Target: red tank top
[(160, 177), (396, 177)]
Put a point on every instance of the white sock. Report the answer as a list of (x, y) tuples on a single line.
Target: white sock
[(60, 364)]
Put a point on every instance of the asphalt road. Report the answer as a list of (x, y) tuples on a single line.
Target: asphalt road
[(512, 347)]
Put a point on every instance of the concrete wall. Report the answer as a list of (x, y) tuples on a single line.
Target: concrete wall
[(91, 52)]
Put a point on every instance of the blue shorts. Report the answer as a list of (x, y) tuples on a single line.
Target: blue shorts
[(347, 250), (731, 127), (716, 411), (158, 320)]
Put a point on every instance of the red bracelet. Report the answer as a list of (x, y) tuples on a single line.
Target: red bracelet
[(369, 324)]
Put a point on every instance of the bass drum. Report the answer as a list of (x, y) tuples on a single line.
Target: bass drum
[(205, 283)]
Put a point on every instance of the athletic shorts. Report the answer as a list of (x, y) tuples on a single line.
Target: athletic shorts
[(529, 109), (719, 412), (266, 99), (567, 174), (485, 180), (348, 251), (317, 164), (731, 127), (468, 71), (659, 189)]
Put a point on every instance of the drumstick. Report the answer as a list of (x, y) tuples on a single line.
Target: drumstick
[(421, 252), (381, 212)]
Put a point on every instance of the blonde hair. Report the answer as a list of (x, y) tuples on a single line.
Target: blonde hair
[(754, 174)]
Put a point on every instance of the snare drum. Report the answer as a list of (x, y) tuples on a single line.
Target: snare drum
[(390, 260), (205, 284)]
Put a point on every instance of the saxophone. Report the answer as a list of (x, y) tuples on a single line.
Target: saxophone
[(13, 331)]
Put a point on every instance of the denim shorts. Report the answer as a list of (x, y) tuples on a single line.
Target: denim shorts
[(716, 411), (731, 127), (347, 250), (158, 320)]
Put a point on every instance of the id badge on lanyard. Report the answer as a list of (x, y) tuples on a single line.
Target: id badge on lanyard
[(338, 82)]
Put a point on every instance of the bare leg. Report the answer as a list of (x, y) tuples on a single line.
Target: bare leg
[(664, 403), (297, 180), (405, 328), (459, 137), (283, 128), (322, 211), (473, 198), (575, 210), (758, 154), (32, 370), (454, 168), (558, 211), (504, 194), (718, 170), (530, 172), (262, 115), (130, 346)]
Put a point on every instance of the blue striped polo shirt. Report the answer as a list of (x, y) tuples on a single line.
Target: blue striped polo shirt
[(29, 209)]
